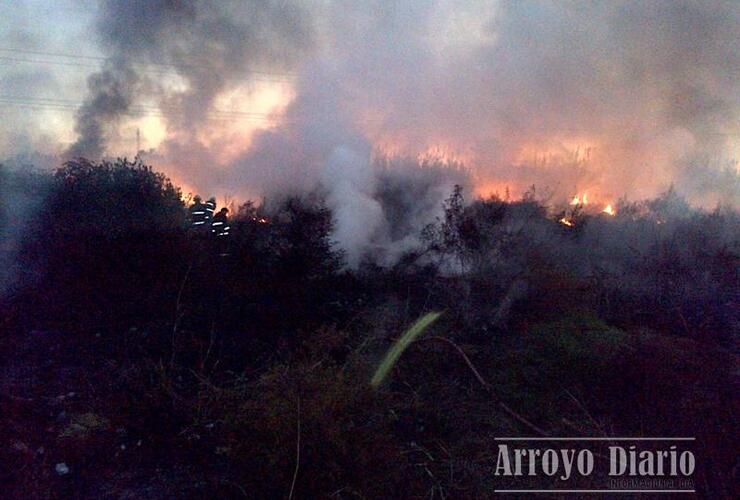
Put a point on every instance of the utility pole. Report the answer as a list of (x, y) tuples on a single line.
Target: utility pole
[(138, 141)]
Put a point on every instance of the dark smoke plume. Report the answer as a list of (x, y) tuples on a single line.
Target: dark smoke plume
[(111, 94), (613, 98), (208, 45)]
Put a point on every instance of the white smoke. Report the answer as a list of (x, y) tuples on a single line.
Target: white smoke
[(358, 216), (380, 206), (607, 97)]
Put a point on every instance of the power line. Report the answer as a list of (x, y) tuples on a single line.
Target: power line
[(215, 116), (43, 101), (209, 116), (149, 71), (139, 110), (134, 61), (60, 63), (278, 77), (218, 115), (47, 104)]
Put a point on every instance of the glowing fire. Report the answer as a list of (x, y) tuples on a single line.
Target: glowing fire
[(580, 200), (566, 221)]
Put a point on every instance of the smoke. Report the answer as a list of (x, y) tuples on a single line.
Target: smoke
[(197, 50), (22, 192), (380, 207), (646, 84), (613, 98), (358, 215), (111, 93), (568, 95)]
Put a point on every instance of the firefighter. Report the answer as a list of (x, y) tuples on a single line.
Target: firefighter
[(220, 225), (210, 207), (220, 229), (199, 215)]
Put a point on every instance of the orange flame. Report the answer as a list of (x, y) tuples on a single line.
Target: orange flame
[(580, 200), (565, 221)]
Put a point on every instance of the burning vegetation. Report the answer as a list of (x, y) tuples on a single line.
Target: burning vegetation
[(156, 363), (402, 293)]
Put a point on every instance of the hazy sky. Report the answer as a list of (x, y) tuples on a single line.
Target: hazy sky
[(247, 97)]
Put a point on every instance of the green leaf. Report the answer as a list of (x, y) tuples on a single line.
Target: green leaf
[(391, 357)]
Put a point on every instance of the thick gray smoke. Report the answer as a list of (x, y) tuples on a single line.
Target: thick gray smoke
[(111, 94), (380, 207), (617, 98), (638, 86), (206, 46), (654, 83), (614, 98)]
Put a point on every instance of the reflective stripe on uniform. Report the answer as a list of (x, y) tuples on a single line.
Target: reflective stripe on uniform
[(198, 223), (217, 223), (198, 213)]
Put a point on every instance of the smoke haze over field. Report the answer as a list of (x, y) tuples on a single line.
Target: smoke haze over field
[(257, 98)]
